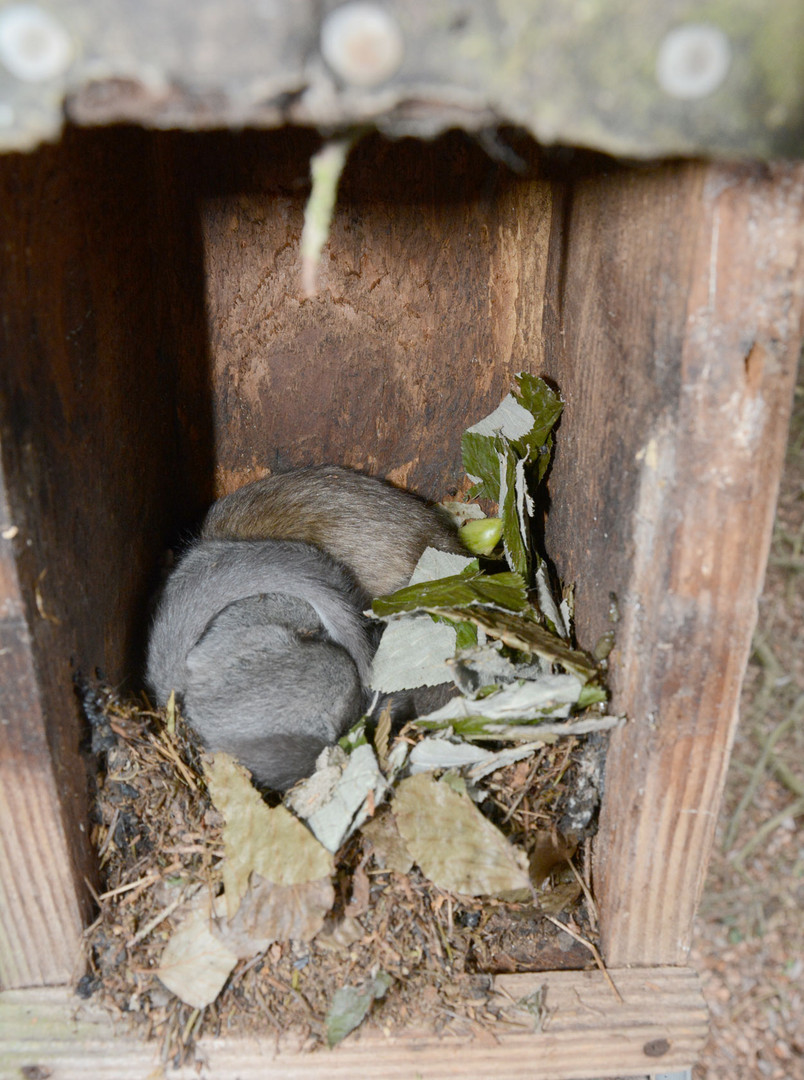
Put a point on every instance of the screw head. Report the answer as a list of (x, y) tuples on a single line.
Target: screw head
[(34, 46), (362, 43), (693, 61)]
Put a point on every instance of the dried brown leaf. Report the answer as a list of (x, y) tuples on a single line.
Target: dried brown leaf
[(257, 839), (455, 846), (270, 912), (387, 844), (196, 963)]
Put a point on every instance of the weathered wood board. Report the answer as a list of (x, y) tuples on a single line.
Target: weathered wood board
[(674, 326), (91, 466), (430, 300), (661, 1024)]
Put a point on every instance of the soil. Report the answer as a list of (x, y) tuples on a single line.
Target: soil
[(749, 945)]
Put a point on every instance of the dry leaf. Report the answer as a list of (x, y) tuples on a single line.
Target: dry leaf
[(560, 898), (388, 846), (257, 839), (361, 892), (270, 912), (382, 736), (341, 935), (547, 850), (350, 1005), (196, 963), (455, 846), (340, 808)]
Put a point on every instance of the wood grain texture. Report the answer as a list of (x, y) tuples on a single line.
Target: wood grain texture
[(87, 396), (660, 1025), (429, 301), (40, 916), (673, 326)]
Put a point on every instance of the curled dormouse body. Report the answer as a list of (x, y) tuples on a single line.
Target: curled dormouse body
[(267, 651), (259, 628), (375, 530)]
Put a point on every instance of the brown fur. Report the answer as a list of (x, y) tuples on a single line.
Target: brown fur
[(377, 531)]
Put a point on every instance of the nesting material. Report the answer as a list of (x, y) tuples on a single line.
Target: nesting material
[(164, 922)]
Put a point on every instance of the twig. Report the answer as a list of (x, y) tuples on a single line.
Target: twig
[(788, 562), (148, 880), (93, 891), (109, 833), (590, 900), (591, 947), (152, 924), (786, 775), (792, 811), (525, 789), (790, 720)]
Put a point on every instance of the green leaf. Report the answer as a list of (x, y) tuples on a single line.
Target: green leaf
[(350, 1006), (524, 634), (354, 737), (480, 460), (506, 590), (521, 702), (466, 635), (592, 694), (544, 405), (514, 514)]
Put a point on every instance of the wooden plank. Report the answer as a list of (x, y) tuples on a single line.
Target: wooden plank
[(429, 301), (40, 917), (673, 327), (661, 1024), (86, 422)]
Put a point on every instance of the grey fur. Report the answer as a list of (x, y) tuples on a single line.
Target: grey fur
[(261, 636)]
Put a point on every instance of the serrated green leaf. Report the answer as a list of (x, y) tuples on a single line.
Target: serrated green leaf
[(515, 507), (506, 590), (521, 702), (510, 419), (592, 694), (466, 635), (414, 652), (479, 454), (524, 634), (544, 405)]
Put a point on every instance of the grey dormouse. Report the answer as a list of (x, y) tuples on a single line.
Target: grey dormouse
[(259, 628)]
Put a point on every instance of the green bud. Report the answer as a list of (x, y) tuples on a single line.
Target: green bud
[(482, 536)]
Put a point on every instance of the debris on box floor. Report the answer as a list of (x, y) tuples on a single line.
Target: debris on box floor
[(391, 885), (226, 922)]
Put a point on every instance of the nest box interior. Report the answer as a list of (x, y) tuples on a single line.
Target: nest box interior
[(160, 351)]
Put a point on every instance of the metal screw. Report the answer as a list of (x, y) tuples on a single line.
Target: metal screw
[(693, 61), (33, 45), (362, 43)]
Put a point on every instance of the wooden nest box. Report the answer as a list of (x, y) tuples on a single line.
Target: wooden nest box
[(158, 350)]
